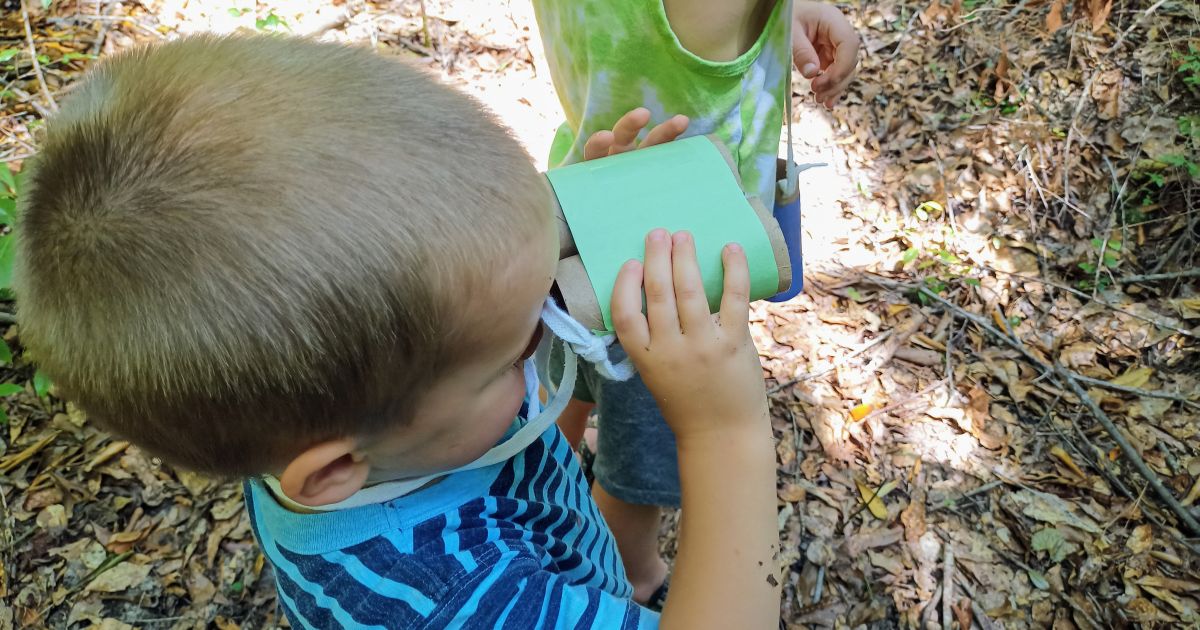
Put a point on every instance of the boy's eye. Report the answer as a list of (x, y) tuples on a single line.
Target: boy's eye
[(533, 344)]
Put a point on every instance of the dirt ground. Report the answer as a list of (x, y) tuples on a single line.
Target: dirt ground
[(987, 401)]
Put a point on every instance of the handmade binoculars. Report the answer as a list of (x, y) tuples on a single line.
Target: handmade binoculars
[(606, 207)]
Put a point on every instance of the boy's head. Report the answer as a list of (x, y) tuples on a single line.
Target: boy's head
[(240, 251)]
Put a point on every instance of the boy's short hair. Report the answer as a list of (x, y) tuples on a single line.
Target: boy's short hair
[(234, 248)]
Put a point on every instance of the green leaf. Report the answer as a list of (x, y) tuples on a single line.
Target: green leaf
[(8, 210), (854, 294), (1111, 261), (72, 56), (3, 417), (9, 181), (1038, 580), (7, 54), (948, 257), (1047, 539), (1088, 267), (5, 353), (44, 59), (46, 4), (973, 281), (8, 256), (10, 389), (910, 255), (41, 384)]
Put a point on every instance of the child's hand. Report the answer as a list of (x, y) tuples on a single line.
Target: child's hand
[(825, 46), (623, 136), (704, 374)]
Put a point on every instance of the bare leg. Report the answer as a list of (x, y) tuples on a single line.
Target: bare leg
[(635, 527), (573, 421)]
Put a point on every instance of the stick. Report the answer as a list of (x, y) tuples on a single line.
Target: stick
[(1121, 38), (831, 367), (1151, 277), (1080, 294), (1072, 381), (948, 587), (37, 66), (1129, 452), (977, 491)]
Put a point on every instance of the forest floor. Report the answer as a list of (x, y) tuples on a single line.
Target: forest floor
[(997, 343)]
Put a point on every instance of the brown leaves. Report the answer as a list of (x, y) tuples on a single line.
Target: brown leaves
[(1106, 92), (1096, 12)]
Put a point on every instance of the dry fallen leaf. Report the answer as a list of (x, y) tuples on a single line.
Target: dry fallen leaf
[(119, 578), (1054, 19), (874, 499), (1065, 457), (858, 412), (1134, 377)]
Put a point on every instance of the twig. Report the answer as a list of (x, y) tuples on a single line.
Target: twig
[(425, 26), (1121, 38), (820, 587), (37, 66), (1130, 453), (1080, 294), (1151, 277), (1137, 391), (981, 616), (1066, 162), (1073, 381), (904, 34), (948, 586), (98, 45), (987, 487), (833, 366)]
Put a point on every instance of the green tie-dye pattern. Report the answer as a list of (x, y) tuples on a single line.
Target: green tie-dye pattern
[(607, 57)]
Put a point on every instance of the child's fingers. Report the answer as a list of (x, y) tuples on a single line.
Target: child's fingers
[(735, 298), (597, 145), (626, 130), (660, 291), (840, 72), (627, 317), (690, 300), (666, 131)]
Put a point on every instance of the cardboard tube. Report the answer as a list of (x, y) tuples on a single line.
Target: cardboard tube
[(578, 294), (779, 248), (566, 242), (778, 245)]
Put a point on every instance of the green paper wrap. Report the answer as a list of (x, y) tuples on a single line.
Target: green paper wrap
[(611, 204)]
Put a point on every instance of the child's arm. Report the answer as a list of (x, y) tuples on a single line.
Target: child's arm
[(704, 373), (824, 44), (824, 48)]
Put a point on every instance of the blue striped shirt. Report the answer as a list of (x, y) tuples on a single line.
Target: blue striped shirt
[(519, 544)]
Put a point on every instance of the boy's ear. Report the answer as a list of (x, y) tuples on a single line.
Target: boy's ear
[(325, 473)]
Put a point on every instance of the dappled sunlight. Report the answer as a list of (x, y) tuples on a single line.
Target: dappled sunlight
[(1002, 210)]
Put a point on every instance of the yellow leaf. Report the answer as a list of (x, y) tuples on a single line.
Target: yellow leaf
[(1065, 458), (1135, 377), (1192, 494), (861, 411), (873, 499)]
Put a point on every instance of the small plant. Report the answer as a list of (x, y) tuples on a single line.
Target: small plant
[(8, 211), (1189, 65), (271, 22), (1108, 257)]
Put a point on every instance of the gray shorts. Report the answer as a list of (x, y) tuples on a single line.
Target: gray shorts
[(635, 452)]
